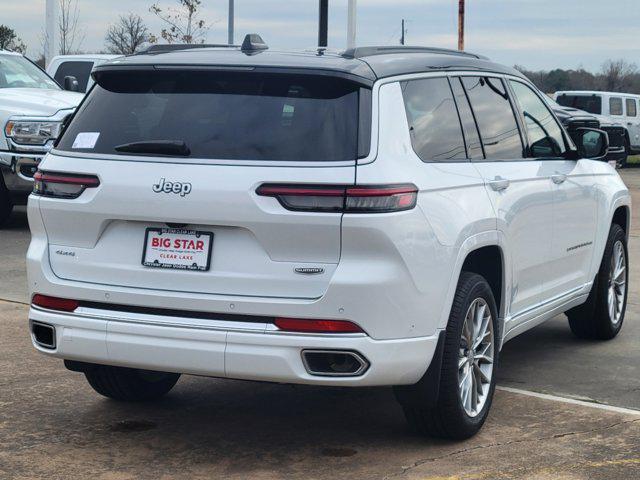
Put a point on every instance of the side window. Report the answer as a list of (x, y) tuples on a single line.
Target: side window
[(544, 133), (494, 115), (80, 70), (434, 125), (474, 146), (632, 108), (615, 106)]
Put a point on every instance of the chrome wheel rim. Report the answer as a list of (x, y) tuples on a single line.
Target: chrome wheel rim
[(475, 357), (617, 283)]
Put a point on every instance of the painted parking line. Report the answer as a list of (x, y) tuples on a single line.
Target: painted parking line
[(572, 401)]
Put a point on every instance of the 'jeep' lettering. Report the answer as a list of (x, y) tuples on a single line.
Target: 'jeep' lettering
[(180, 188)]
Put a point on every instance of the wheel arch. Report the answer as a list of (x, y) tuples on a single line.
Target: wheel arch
[(485, 254), (622, 216), (488, 261)]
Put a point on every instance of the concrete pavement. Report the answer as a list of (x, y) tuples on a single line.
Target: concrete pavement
[(52, 425)]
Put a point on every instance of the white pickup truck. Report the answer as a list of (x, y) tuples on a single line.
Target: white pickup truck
[(33, 108)]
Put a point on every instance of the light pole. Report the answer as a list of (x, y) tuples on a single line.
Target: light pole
[(460, 24), (50, 31), (231, 23), (351, 24), (323, 23)]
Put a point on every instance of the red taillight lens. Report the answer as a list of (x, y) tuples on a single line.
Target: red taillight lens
[(54, 303), (62, 185), (343, 198), (316, 326)]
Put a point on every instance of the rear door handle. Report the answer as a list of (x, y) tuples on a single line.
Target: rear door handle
[(498, 184), (558, 178)]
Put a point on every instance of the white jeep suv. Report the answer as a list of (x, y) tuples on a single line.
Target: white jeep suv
[(384, 216)]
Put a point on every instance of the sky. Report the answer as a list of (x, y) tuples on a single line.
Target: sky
[(536, 34)]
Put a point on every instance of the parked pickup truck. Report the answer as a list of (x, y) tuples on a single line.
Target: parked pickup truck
[(33, 108), (574, 119), (77, 66), (618, 114)]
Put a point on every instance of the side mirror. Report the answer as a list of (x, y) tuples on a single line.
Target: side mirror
[(591, 143), (71, 83)]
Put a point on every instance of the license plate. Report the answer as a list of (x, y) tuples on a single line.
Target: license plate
[(177, 249)]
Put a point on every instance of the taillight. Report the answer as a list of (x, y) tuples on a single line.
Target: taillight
[(303, 325), (62, 185), (343, 198), (54, 303)]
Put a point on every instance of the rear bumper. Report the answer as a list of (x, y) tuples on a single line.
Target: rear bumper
[(242, 351)]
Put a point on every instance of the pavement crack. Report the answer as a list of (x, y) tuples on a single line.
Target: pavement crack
[(418, 463), (15, 302)]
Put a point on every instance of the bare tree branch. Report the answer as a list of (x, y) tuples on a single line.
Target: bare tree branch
[(184, 24), (70, 36), (126, 36)]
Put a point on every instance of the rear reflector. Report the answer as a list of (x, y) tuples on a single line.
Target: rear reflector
[(62, 185), (317, 326), (343, 198), (54, 303)]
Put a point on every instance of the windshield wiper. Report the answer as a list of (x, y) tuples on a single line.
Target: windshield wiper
[(156, 147)]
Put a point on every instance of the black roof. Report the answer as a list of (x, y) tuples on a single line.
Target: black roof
[(364, 64)]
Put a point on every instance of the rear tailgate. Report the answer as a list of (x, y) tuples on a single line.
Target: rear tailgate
[(224, 135), (257, 244)]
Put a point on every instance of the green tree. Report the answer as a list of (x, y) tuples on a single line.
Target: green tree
[(9, 40)]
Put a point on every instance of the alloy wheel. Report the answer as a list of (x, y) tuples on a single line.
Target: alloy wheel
[(476, 357)]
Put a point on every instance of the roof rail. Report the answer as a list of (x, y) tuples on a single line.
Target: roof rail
[(172, 47), (360, 52)]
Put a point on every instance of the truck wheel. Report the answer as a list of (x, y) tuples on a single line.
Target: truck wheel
[(6, 205), (128, 384), (601, 317), (469, 361)]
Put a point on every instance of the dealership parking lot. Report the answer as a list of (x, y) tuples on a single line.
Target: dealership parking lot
[(52, 425)]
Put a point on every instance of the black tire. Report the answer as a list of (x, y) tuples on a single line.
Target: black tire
[(622, 163), (6, 205), (448, 419), (592, 319), (128, 384)]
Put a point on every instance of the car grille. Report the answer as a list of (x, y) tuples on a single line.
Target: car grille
[(616, 136), (571, 124)]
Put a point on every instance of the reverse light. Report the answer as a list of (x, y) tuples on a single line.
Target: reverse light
[(304, 325), (32, 132), (343, 198), (54, 303), (62, 185)]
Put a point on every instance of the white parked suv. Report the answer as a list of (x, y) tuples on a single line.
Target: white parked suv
[(384, 216), (33, 108)]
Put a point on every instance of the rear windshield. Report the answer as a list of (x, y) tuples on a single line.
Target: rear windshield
[(588, 103), (221, 115)]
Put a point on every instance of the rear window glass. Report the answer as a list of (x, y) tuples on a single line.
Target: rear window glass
[(433, 120), (615, 106), (221, 115), (632, 109), (495, 117), (588, 103)]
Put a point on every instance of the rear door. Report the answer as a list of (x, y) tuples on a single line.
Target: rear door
[(519, 188), (239, 132)]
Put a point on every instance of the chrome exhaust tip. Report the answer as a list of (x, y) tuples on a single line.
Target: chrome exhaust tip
[(44, 335), (334, 363)]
